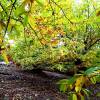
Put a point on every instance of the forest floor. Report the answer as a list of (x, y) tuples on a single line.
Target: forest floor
[(29, 85)]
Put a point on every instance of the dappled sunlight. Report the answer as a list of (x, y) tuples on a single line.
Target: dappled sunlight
[(11, 42), (78, 2)]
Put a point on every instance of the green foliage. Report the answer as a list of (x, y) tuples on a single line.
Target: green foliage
[(92, 70), (63, 33), (1, 59), (75, 86)]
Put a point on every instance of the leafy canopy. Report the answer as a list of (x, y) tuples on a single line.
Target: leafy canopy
[(51, 31)]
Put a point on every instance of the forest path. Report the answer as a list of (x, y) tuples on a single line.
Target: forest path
[(28, 85), (23, 85)]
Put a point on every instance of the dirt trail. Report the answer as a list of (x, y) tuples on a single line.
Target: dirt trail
[(22, 85), (28, 85)]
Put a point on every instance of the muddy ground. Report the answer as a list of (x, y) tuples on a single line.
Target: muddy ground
[(31, 85)]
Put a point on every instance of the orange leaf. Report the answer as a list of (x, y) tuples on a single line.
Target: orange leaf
[(54, 42), (43, 41)]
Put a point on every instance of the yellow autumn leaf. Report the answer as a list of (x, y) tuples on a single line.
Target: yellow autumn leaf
[(43, 41), (71, 86), (4, 55), (54, 42), (31, 20), (1, 27), (73, 27), (78, 88), (79, 82), (1, 39)]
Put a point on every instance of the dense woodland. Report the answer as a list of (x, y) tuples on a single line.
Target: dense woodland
[(54, 35)]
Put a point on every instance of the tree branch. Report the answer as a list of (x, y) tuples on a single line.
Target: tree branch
[(86, 49), (9, 18), (62, 11), (3, 8)]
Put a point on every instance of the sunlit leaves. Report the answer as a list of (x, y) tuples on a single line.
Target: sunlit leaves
[(4, 55), (1, 39), (31, 21), (25, 7), (1, 9), (40, 2), (25, 20), (3, 50), (43, 41)]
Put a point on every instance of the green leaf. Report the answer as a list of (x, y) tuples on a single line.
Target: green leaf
[(19, 11), (98, 78), (71, 80), (82, 97), (86, 92), (40, 2), (74, 97), (91, 70), (4, 55), (93, 80), (63, 85), (98, 94), (25, 20), (63, 81), (63, 88)]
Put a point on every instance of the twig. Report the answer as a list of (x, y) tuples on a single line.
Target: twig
[(3, 8), (62, 11), (36, 34)]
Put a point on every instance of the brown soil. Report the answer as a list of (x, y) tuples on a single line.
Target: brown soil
[(31, 85), (25, 85)]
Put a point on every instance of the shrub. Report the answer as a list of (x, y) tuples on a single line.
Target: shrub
[(76, 85)]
